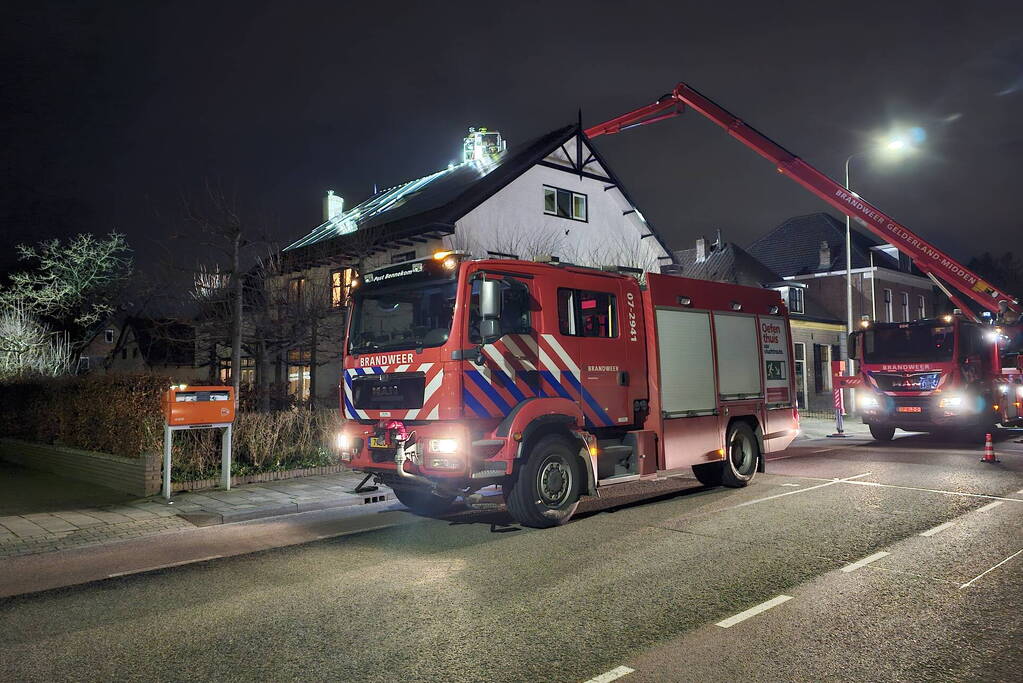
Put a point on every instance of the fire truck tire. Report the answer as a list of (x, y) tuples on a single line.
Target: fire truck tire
[(742, 455), (545, 492), (882, 432), (423, 502), (709, 473)]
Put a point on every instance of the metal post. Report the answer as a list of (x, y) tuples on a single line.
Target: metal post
[(849, 364), (225, 458), (168, 435)]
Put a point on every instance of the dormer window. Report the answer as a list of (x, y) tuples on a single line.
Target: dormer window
[(108, 336)]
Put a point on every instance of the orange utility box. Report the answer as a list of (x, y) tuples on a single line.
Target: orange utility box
[(186, 405)]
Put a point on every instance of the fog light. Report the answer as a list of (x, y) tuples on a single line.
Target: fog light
[(443, 463), (951, 402), (344, 442), (444, 445), (868, 402)]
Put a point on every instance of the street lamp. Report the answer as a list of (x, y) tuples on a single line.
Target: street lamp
[(897, 144)]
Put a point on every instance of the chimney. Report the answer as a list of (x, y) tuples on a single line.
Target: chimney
[(701, 249), (333, 206), (825, 256)]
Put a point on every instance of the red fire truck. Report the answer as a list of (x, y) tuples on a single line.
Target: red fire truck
[(924, 375), (551, 380)]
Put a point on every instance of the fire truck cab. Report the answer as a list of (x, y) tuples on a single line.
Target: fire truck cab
[(550, 380)]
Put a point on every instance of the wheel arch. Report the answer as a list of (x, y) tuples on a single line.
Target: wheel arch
[(564, 426)]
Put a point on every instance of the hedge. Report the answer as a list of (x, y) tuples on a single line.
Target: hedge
[(121, 415)]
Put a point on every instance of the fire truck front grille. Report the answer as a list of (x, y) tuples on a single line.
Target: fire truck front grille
[(389, 391), (906, 381)]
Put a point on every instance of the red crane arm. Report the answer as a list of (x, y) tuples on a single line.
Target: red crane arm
[(928, 258)]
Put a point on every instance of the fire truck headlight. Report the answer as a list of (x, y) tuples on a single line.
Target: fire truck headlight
[(443, 445), (868, 402), (344, 444), (951, 402), (991, 336)]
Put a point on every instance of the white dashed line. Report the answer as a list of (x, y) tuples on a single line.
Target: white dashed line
[(753, 611), (164, 566), (937, 529), (913, 488), (791, 484), (864, 562), (990, 569), (612, 675), (989, 506)]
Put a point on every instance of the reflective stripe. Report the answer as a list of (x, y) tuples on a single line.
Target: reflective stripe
[(560, 351), (476, 406), (491, 393)]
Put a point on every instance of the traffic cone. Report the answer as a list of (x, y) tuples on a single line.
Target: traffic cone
[(989, 450)]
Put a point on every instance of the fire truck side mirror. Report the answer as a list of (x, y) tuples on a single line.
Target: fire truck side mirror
[(852, 346), (490, 299)]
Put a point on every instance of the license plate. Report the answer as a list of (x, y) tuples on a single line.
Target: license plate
[(909, 409), (376, 442)]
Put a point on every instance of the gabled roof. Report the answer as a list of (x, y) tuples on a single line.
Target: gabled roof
[(433, 203), (793, 248), (161, 341), (726, 262)]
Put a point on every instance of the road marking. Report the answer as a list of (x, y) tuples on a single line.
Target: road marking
[(613, 674), (791, 484), (753, 611), (808, 488), (828, 450), (864, 562), (911, 488), (987, 570), (163, 566), (989, 506), (937, 529)]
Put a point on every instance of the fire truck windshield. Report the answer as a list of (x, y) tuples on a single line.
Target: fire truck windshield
[(909, 344), (402, 316)]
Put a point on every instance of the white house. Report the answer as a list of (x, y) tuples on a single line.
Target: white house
[(552, 196)]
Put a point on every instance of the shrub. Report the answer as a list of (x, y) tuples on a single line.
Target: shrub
[(121, 414)]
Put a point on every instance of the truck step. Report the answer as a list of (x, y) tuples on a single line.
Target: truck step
[(485, 474)]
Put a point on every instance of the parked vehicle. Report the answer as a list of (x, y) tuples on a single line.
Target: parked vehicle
[(551, 381)]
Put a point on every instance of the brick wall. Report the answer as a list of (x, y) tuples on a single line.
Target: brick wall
[(137, 476), (830, 292)]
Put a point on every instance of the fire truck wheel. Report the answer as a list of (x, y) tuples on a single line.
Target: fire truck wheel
[(709, 473), (423, 502), (742, 455), (546, 491), (882, 432)]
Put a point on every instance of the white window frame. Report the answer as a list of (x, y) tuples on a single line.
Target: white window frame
[(800, 363), (108, 336), (798, 291), (889, 316), (921, 306), (904, 300), (573, 196)]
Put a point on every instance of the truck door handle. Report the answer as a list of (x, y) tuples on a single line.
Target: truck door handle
[(623, 379)]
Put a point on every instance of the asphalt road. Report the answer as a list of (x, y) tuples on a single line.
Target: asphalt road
[(895, 562)]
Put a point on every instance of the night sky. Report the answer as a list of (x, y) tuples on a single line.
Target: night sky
[(116, 110)]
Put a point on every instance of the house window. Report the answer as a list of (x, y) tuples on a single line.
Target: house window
[(298, 374), (795, 300), (905, 306), (108, 336), (340, 286), (799, 350), (921, 307), (296, 288), (888, 306), (564, 203), (821, 368), (404, 256), (587, 314), (248, 371)]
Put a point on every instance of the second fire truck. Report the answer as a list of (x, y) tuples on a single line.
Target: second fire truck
[(551, 380)]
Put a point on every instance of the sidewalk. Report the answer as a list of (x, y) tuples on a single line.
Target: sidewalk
[(57, 526), (817, 428)]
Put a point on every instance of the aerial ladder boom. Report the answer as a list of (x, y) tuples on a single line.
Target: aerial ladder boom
[(929, 259)]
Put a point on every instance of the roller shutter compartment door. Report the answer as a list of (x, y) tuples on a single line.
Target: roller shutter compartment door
[(687, 362), (738, 356)]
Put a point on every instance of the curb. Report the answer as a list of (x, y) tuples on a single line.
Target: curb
[(208, 518)]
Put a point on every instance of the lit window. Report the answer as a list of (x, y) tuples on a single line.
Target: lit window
[(299, 374), (795, 300), (564, 203), (296, 285), (340, 286)]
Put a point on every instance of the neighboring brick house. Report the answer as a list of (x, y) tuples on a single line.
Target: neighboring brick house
[(554, 195), (811, 250), (817, 335)]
